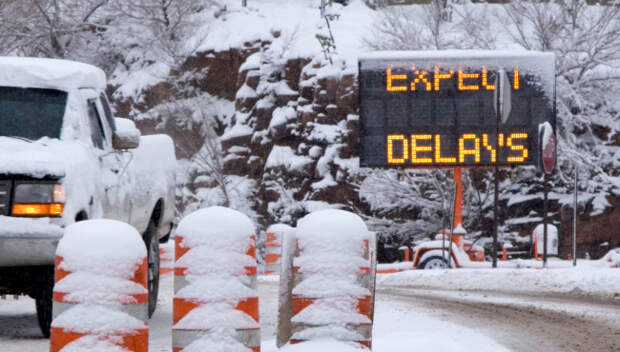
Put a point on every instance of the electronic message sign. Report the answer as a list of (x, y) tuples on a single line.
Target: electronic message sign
[(438, 108)]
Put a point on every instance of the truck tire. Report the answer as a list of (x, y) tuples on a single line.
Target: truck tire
[(152, 248), (43, 302), (433, 262)]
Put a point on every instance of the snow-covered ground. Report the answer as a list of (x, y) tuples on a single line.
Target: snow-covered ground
[(584, 281), (403, 319), (396, 325)]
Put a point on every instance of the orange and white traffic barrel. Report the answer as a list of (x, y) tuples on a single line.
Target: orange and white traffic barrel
[(100, 290), (215, 301), (273, 249), (333, 272)]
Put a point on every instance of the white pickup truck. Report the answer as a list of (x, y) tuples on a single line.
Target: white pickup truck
[(65, 158)]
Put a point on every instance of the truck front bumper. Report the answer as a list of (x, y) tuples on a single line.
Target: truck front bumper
[(28, 241)]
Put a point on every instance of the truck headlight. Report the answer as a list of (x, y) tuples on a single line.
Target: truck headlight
[(38, 199)]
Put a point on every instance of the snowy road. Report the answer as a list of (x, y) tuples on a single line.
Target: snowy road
[(521, 322), (430, 319)]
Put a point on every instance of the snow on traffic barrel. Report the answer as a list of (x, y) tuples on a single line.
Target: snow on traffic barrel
[(333, 272), (100, 292), (215, 301), (273, 243)]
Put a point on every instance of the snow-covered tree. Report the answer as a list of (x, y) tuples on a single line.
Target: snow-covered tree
[(50, 28), (172, 28), (587, 46)]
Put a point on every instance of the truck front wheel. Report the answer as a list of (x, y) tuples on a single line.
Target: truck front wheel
[(43, 302)]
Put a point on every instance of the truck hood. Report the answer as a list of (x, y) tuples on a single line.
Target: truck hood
[(43, 158)]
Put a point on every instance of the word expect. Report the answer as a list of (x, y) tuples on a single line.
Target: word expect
[(426, 148), (423, 79)]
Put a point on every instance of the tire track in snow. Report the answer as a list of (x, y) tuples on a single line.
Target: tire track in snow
[(522, 322)]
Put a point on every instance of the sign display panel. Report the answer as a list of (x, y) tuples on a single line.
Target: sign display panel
[(439, 109)]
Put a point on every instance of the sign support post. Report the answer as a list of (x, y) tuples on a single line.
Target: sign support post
[(455, 199), (495, 217), (458, 205), (545, 219), (548, 145), (575, 217)]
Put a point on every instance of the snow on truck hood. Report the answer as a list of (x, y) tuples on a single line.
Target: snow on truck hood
[(45, 157), (28, 72)]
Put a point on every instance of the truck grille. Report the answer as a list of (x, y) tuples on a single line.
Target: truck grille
[(5, 196)]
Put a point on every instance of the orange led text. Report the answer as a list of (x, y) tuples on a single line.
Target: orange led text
[(435, 79), (427, 149)]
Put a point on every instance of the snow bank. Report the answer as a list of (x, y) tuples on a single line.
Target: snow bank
[(105, 247), (401, 325), (217, 227), (578, 280)]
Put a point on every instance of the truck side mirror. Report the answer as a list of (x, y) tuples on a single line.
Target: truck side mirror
[(126, 136)]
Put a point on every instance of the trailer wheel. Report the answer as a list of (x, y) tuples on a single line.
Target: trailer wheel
[(433, 262)]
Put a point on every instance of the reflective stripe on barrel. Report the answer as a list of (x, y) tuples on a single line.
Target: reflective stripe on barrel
[(182, 338), (135, 341), (364, 304), (182, 306), (180, 250)]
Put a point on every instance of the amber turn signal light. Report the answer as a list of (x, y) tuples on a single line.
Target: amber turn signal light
[(38, 209)]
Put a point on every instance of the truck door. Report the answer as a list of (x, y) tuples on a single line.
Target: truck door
[(113, 165)]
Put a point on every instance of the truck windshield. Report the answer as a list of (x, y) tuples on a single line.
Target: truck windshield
[(31, 113)]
